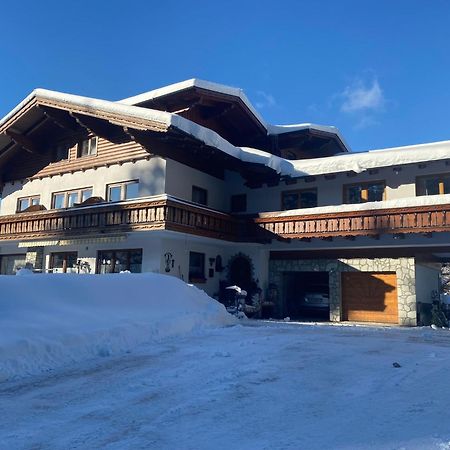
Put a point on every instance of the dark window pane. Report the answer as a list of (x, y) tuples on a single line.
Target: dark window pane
[(135, 261), (199, 195), (308, 199), (375, 192), (196, 266), (239, 203), (354, 194), (446, 182), (290, 200), (105, 261), (432, 186)]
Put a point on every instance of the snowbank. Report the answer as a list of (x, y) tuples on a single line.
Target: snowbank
[(47, 321)]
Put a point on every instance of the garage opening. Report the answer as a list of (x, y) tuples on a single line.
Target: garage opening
[(307, 296)]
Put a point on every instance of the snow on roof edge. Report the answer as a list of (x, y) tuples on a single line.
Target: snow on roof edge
[(236, 92), (194, 82), (356, 162)]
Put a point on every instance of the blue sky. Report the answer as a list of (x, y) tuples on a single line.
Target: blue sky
[(378, 70)]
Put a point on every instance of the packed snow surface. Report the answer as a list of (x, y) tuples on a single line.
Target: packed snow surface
[(273, 386), (47, 321)]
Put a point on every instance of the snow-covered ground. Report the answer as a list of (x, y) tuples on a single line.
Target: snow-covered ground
[(253, 386), (48, 321)]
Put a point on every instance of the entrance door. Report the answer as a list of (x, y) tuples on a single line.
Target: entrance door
[(369, 297)]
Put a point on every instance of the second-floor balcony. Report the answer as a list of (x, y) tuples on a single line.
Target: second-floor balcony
[(167, 213), (155, 213), (399, 220)]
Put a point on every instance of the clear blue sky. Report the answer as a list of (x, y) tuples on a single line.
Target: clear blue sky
[(378, 70)]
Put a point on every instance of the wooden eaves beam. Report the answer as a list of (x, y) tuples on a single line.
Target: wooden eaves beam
[(25, 142)]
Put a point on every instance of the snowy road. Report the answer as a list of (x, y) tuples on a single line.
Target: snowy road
[(270, 386)]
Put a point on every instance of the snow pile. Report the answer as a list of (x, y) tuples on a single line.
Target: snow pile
[(47, 321)]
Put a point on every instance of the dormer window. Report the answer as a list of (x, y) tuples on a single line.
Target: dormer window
[(61, 152), (87, 147)]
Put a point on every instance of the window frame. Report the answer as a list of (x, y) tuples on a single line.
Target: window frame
[(122, 185), (196, 277), (441, 186), (13, 255), (113, 264), (365, 190), (200, 190), (65, 259), (66, 194), (299, 191), (30, 201), (89, 140)]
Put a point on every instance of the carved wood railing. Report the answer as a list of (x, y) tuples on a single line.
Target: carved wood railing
[(414, 219), (166, 214)]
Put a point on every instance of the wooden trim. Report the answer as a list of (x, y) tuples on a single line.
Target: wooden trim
[(418, 219), (109, 218)]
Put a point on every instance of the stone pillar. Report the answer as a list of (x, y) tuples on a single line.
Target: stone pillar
[(35, 258)]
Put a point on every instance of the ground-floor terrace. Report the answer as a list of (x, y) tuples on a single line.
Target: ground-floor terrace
[(356, 271)]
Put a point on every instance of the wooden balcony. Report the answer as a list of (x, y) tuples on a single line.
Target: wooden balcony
[(415, 219), (106, 218)]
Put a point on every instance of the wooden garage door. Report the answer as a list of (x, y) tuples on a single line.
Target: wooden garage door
[(369, 297)]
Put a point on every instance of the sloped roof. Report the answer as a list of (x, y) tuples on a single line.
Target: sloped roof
[(123, 115), (235, 92)]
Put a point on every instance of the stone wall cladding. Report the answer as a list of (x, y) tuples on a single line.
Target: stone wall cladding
[(403, 267)]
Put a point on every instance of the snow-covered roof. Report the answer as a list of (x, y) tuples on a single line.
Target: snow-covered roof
[(236, 92), (356, 162)]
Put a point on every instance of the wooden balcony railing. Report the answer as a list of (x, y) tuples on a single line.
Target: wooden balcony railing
[(174, 215), (414, 219), (160, 214)]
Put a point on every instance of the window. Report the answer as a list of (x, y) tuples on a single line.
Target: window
[(239, 203), (87, 147), (61, 152), (122, 191), (196, 267), (10, 264), (433, 185), (306, 198), (70, 198), (199, 195), (116, 261), (63, 262), (364, 192), (25, 202)]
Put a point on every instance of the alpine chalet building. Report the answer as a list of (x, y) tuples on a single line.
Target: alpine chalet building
[(189, 180)]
